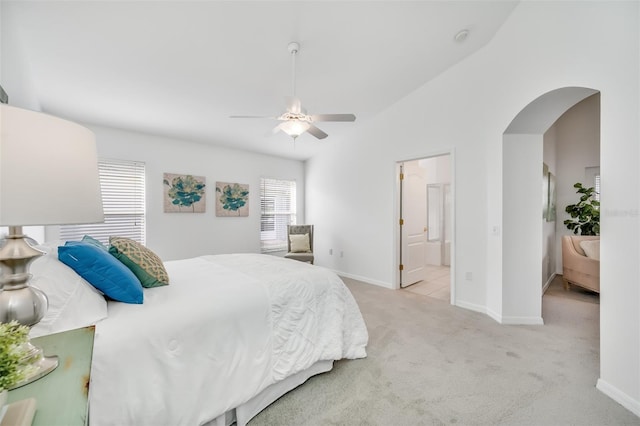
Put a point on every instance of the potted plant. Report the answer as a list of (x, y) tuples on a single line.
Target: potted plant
[(14, 339), (585, 214)]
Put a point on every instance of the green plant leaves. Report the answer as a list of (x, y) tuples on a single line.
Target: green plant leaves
[(585, 213), (13, 338)]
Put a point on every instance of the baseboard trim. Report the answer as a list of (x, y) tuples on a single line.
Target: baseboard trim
[(618, 396), (364, 279), (522, 321), (471, 306), (502, 319), (548, 283), (495, 316), (461, 304)]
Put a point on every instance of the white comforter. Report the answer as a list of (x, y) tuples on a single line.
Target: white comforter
[(224, 329)]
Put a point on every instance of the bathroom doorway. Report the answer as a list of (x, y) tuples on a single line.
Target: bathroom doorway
[(426, 226)]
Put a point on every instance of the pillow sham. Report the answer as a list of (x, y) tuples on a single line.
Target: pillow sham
[(300, 243), (591, 248), (73, 302), (89, 239), (144, 263), (102, 270)]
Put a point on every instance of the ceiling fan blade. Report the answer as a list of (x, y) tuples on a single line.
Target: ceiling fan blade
[(293, 104), (276, 129), (333, 117), (313, 130), (252, 116)]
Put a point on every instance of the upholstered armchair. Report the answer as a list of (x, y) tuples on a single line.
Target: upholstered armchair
[(300, 243), (579, 266)]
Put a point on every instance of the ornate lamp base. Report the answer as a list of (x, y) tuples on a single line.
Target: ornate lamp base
[(21, 302)]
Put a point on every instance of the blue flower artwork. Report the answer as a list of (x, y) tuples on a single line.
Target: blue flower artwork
[(184, 193), (232, 199)]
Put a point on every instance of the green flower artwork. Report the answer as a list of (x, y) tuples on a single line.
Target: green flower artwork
[(184, 193), (232, 199)]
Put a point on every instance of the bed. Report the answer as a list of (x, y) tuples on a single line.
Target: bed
[(228, 335)]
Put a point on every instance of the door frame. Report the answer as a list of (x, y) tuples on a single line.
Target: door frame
[(397, 235)]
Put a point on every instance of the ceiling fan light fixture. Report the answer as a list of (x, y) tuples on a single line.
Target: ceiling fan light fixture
[(294, 128), (295, 121)]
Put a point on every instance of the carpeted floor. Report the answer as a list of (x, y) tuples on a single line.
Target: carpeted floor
[(430, 363)]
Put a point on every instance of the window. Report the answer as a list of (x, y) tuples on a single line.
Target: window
[(123, 198), (592, 175), (277, 210)]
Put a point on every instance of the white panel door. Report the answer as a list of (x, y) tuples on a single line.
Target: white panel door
[(414, 217)]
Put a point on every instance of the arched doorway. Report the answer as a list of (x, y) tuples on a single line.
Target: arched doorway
[(522, 226)]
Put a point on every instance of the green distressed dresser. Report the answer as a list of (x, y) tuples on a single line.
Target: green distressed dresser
[(62, 396)]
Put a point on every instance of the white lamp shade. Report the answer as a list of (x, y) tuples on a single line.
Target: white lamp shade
[(48, 170), (294, 128)]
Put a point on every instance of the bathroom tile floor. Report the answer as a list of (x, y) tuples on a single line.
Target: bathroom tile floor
[(436, 283)]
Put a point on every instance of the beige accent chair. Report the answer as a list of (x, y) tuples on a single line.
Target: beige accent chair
[(300, 243), (577, 268)]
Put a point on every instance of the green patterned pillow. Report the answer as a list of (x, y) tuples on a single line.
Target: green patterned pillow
[(144, 263)]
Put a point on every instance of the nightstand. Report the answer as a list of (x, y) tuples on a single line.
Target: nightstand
[(62, 396)]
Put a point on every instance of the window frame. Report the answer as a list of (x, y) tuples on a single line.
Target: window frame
[(592, 175), (278, 208), (123, 186)]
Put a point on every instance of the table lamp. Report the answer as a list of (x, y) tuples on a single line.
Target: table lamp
[(48, 176)]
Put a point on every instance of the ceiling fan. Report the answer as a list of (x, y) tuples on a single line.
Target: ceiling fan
[(295, 121)]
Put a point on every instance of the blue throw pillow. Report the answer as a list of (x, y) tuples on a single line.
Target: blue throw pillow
[(102, 270), (89, 239)]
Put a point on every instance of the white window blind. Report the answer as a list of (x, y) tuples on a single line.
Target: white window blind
[(277, 210), (123, 197), (592, 174)]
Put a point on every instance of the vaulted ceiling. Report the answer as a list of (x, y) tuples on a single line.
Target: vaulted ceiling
[(180, 68)]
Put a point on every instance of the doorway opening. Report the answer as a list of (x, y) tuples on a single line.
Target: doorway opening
[(541, 138), (425, 206)]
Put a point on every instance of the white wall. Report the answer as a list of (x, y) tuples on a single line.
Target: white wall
[(16, 76), (1, 37), (182, 235), (438, 169), (543, 46), (522, 230), (549, 249)]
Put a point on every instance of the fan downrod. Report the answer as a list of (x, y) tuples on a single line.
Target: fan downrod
[(293, 47)]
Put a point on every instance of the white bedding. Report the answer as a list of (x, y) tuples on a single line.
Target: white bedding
[(225, 328)]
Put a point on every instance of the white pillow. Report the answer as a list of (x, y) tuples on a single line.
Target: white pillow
[(591, 248), (73, 302), (300, 243)]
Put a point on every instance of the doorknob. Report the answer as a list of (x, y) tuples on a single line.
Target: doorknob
[(425, 229)]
